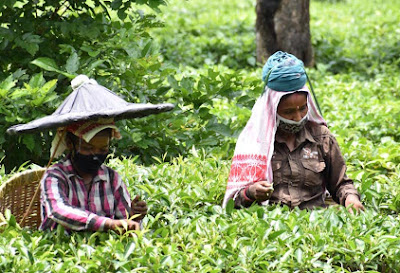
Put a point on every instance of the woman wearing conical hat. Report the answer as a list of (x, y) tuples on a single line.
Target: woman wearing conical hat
[(80, 192), (286, 154)]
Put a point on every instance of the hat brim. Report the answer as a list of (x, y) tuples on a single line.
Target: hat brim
[(59, 120)]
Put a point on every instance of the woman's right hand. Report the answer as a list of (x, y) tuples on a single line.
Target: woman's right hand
[(261, 190), (121, 226)]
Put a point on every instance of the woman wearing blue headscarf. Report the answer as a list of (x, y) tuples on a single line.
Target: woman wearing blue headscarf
[(286, 153)]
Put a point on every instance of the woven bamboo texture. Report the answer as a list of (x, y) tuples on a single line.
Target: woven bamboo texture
[(16, 195)]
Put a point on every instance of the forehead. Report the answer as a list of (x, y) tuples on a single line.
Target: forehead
[(293, 100), (98, 141)]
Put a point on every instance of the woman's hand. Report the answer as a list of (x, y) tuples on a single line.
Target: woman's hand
[(353, 201), (121, 226), (138, 208), (260, 190)]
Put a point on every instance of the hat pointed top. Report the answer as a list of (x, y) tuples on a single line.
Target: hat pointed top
[(89, 100)]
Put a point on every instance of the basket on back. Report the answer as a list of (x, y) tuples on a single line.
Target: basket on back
[(16, 195)]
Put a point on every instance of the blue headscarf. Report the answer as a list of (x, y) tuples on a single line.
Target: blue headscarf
[(284, 72)]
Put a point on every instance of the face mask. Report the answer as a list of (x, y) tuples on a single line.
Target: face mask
[(291, 126), (88, 163)]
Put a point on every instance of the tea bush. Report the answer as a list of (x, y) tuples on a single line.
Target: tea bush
[(188, 231)]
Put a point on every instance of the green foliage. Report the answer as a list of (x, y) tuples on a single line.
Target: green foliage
[(356, 82), (355, 37), (21, 104), (60, 39), (215, 33), (188, 231), (123, 56), (66, 32), (201, 118)]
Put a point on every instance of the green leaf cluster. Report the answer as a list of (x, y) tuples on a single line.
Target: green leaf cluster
[(19, 104)]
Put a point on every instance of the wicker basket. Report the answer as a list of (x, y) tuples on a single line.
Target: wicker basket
[(16, 195)]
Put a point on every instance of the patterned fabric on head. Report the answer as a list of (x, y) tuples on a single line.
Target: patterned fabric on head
[(252, 158), (85, 130), (284, 72)]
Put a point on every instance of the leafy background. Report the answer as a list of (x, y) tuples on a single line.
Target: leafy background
[(200, 56)]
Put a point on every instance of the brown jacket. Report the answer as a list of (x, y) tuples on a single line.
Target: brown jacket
[(302, 175)]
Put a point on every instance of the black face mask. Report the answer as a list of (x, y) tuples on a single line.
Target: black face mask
[(88, 163)]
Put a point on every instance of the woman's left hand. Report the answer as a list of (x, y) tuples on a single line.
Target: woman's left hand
[(353, 201), (138, 208)]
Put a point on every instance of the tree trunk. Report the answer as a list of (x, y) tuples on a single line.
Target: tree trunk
[(284, 25)]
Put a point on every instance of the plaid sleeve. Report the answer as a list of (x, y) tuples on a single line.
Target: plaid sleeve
[(55, 202)]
